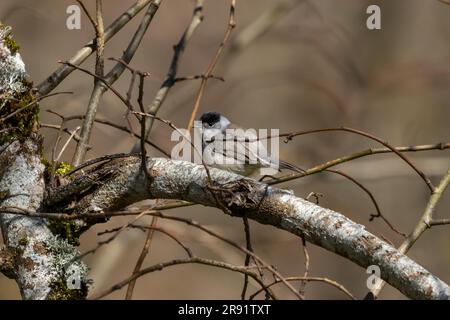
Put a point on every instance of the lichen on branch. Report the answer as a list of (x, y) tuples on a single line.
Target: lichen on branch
[(19, 111), (44, 264)]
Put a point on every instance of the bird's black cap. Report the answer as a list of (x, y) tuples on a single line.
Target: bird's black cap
[(210, 118)]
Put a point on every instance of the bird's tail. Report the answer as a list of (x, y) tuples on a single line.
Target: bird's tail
[(289, 166)]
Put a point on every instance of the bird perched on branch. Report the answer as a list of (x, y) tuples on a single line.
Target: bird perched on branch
[(230, 147)]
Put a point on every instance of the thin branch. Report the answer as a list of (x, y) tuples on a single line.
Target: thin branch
[(357, 155), (302, 286), (170, 80), (108, 123), (141, 258), (425, 222), (427, 181), (170, 235), (110, 78), (101, 79), (372, 198), (201, 76), (62, 72), (247, 256), (263, 23), (34, 102), (114, 236), (88, 14), (158, 229), (310, 279), (197, 260), (256, 258), (439, 222), (324, 227), (209, 71), (100, 40), (74, 132), (76, 137), (63, 216), (321, 226)]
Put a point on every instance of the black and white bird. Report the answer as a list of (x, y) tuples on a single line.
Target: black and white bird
[(231, 147)]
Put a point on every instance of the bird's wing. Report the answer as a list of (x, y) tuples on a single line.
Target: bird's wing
[(248, 149)]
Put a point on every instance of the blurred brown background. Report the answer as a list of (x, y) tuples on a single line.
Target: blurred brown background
[(317, 67)]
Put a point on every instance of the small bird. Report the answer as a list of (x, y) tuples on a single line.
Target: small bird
[(231, 147)]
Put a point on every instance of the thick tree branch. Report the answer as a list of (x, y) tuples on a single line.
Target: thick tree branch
[(425, 222), (171, 179), (42, 263)]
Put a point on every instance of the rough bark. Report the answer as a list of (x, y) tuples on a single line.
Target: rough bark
[(40, 262), (43, 260), (171, 179)]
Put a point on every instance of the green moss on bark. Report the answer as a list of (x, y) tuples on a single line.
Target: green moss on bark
[(60, 291), (19, 110), (61, 168), (19, 114), (12, 45), (68, 230)]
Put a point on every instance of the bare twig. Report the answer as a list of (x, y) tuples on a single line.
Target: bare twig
[(63, 216), (12, 114), (108, 123), (310, 279), (356, 155), (110, 78), (425, 222), (74, 132), (170, 79), (72, 135), (302, 286), (372, 198), (170, 235), (263, 23), (141, 258), (201, 76), (62, 72), (94, 101), (76, 137), (247, 256), (209, 71), (101, 79), (197, 260), (158, 229), (88, 14), (100, 40), (439, 222), (114, 236), (289, 137)]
